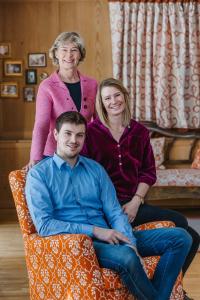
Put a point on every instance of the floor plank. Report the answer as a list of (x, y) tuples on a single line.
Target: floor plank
[(13, 274), (192, 279)]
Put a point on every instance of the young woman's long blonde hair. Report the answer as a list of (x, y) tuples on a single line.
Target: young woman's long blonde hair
[(100, 109)]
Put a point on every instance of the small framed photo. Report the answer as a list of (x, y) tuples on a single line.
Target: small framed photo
[(9, 90), (5, 49), (37, 60), (13, 68), (31, 76), (29, 94), (43, 75)]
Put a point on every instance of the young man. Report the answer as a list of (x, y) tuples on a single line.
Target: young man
[(68, 193)]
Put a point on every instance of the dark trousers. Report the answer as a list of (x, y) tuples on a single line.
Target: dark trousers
[(150, 213)]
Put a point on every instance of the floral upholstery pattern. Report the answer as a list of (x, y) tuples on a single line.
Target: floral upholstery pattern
[(196, 161), (178, 177), (158, 145), (65, 267)]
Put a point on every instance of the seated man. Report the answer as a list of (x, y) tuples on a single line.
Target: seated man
[(68, 193)]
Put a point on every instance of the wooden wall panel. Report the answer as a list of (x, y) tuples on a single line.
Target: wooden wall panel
[(91, 19), (31, 26), (26, 26), (13, 155), (1, 69)]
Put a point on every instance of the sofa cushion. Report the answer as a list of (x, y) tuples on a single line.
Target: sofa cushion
[(196, 161), (178, 177), (158, 146)]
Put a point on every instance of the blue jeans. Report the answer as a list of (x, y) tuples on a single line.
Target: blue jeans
[(149, 213), (172, 244)]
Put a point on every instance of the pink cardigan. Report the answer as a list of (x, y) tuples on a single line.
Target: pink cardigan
[(53, 98)]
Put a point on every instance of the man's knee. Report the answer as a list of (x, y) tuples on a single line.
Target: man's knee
[(129, 260), (182, 237)]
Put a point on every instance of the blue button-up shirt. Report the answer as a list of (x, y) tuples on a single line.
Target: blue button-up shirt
[(62, 199)]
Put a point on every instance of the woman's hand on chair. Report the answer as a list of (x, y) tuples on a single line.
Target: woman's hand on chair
[(30, 165)]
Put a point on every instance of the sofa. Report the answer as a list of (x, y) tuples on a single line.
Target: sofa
[(177, 158)]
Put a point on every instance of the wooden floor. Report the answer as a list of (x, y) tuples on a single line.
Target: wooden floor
[(13, 277)]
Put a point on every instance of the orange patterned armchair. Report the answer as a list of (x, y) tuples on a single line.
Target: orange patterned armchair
[(65, 267)]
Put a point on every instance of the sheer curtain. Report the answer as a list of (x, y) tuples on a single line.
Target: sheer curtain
[(156, 53)]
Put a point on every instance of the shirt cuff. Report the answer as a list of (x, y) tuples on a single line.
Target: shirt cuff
[(88, 229)]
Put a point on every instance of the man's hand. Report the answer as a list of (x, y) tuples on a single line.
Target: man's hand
[(109, 235), (131, 208)]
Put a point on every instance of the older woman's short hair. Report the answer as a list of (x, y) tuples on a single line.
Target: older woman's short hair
[(64, 37), (100, 109)]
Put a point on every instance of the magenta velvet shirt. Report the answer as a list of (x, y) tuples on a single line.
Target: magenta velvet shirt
[(128, 162)]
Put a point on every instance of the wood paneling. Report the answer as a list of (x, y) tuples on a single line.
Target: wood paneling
[(174, 197), (32, 26), (90, 18), (1, 69), (13, 155)]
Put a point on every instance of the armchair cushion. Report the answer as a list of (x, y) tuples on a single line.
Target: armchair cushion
[(178, 177), (158, 146)]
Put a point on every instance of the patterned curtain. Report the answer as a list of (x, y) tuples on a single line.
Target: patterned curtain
[(156, 54)]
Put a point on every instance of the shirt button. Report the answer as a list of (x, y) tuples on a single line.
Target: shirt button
[(85, 106), (119, 155), (118, 145), (120, 163), (84, 99)]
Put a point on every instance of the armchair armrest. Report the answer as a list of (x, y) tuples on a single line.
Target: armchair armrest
[(63, 265), (154, 225)]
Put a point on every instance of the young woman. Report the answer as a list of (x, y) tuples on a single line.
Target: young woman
[(65, 90), (123, 147)]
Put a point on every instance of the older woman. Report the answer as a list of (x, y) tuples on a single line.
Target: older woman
[(66, 89), (123, 147)]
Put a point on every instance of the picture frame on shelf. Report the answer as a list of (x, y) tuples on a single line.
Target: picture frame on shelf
[(9, 90), (37, 60), (31, 76), (29, 93), (13, 67), (5, 49)]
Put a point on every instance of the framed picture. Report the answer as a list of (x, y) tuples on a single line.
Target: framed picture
[(43, 75), (5, 49), (9, 90), (37, 60), (13, 68), (29, 94), (31, 76)]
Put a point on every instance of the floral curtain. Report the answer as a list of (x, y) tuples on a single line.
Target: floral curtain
[(156, 54)]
